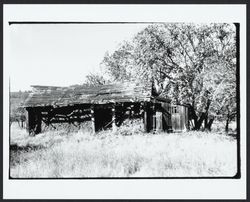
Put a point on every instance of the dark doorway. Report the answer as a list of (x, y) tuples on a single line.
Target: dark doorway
[(103, 118)]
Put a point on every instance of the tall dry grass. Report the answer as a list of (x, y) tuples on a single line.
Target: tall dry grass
[(128, 152)]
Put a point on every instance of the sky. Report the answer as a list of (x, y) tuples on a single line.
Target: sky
[(61, 54)]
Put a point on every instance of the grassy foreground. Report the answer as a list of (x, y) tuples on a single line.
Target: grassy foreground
[(128, 152)]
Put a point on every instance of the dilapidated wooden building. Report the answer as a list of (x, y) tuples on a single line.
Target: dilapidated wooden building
[(106, 106)]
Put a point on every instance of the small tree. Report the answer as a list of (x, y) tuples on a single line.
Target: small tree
[(93, 79)]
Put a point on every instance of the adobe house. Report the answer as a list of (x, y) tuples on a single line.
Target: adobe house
[(106, 106)]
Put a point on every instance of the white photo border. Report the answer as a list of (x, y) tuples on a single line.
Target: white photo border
[(126, 188)]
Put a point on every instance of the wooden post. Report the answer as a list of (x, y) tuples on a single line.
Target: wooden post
[(113, 118), (92, 118), (159, 124), (187, 118), (26, 113), (29, 120), (141, 108), (38, 124), (132, 111), (34, 121), (145, 116), (153, 117)]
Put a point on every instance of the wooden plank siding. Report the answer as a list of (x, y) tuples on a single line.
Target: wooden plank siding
[(179, 118)]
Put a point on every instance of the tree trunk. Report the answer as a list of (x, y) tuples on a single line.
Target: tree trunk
[(200, 121), (229, 118), (209, 124), (206, 126), (204, 117), (227, 125), (193, 116), (197, 121), (206, 121)]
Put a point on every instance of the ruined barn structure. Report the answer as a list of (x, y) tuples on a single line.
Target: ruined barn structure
[(106, 106)]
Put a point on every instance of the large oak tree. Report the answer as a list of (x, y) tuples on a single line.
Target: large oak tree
[(189, 63)]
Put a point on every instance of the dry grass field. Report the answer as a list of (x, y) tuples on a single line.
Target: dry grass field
[(128, 152)]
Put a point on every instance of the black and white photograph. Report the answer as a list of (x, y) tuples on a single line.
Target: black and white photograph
[(123, 99), (135, 100)]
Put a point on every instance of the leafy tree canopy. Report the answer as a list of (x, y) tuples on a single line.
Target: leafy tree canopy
[(192, 64)]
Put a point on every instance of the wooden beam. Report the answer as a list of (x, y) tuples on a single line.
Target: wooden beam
[(34, 121), (113, 118), (132, 111), (141, 108), (153, 117), (146, 117), (38, 124), (29, 120), (92, 118)]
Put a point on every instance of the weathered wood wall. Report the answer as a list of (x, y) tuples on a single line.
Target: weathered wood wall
[(166, 116), (179, 118)]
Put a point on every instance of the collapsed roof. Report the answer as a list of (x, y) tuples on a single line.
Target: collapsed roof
[(104, 94)]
